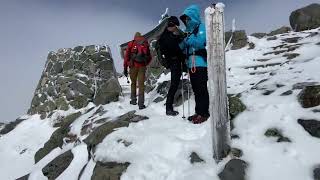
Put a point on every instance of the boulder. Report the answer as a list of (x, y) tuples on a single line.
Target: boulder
[(316, 173), (68, 65), (235, 169), (235, 106), (310, 96), (163, 89), (9, 127), (61, 104), (305, 18), (281, 30), (57, 67), (108, 92), (108, 170), (102, 131), (91, 49), (58, 165), (312, 126), (239, 39), (82, 88), (259, 35), (79, 102)]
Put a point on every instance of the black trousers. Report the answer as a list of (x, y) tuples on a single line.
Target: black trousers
[(199, 86), (176, 72)]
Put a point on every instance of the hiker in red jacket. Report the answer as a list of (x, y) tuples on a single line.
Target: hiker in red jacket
[(137, 57)]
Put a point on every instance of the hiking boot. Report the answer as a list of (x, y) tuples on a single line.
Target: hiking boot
[(142, 107), (171, 113), (191, 117), (199, 119), (133, 102)]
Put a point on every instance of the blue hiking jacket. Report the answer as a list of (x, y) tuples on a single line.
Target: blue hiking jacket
[(195, 41)]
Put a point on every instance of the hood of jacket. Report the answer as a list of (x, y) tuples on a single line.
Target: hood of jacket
[(193, 12)]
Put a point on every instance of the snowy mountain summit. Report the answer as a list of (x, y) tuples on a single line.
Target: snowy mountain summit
[(274, 105)]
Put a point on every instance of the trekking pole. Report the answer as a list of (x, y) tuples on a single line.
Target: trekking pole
[(189, 95), (182, 94)]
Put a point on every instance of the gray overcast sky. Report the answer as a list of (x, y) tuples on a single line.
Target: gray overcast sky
[(30, 29)]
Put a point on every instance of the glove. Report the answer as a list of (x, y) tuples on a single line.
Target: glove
[(125, 72)]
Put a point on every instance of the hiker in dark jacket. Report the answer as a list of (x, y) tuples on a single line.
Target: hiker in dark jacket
[(169, 47), (195, 49), (137, 57)]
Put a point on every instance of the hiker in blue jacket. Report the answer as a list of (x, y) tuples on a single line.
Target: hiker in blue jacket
[(194, 46)]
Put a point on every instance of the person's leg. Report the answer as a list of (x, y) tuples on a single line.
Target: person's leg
[(175, 80), (133, 77), (141, 79), (203, 95), (199, 87)]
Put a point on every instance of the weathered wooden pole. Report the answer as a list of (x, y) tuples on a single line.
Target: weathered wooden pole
[(217, 81)]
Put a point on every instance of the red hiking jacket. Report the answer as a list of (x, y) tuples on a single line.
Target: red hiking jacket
[(130, 50)]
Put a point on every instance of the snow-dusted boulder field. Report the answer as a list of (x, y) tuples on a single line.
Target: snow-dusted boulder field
[(273, 87)]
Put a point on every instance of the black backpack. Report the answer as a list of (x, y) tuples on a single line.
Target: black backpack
[(160, 56)]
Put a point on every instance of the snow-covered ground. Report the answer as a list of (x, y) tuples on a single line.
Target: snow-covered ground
[(161, 145)]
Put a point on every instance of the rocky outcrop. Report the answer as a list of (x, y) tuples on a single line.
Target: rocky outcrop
[(75, 77), (239, 39), (305, 18), (235, 169), (58, 165), (309, 96), (102, 131), (56, 139), (6, 128)]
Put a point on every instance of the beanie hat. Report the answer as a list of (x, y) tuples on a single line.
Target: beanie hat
[(137, 34), (173, 20)]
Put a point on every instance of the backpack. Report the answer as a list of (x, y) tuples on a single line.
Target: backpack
[(140, 52), (161, 58)]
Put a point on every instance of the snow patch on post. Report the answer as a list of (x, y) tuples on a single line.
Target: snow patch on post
[(217, 81)]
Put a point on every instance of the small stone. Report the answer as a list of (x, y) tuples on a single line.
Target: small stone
[(272, 38), (124, 142), (236, 152), (194, 158), (158, 99), (286, 93), (78, 49), (235, 169), (268, 92)]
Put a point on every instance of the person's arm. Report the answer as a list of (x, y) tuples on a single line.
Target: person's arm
[(127, 56), (198, 41)]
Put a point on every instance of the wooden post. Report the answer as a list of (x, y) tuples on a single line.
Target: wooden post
[(217, 81)]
